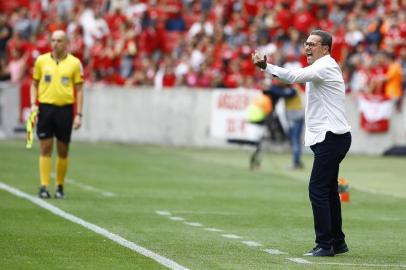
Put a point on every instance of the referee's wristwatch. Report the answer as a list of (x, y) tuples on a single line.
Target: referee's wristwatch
[(80, 114)]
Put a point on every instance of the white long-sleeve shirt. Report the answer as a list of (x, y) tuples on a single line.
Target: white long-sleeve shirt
[(325, 97)]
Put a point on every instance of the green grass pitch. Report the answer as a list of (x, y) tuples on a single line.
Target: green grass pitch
[(121, 187)]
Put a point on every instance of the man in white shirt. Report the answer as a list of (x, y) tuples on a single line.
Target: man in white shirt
[(326, 132)]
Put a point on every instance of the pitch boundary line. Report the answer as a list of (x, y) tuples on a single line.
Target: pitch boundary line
[(97, 229), (224, 234)]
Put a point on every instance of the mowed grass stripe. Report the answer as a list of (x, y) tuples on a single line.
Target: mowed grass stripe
[(97, 229)]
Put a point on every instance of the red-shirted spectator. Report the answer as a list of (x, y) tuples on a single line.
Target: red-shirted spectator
[(41, 41), (148, 40), (167, 71), (31, 52), (246, 66), (114, 19), (340, 48), (205, 76), (169, 79), (233, 77), (77, 44), (96, 59), (376, 78), (303, 20), (251, 7), (15, 43), (284, 17)]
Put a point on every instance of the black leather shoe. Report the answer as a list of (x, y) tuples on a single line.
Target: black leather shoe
[(320, 252), (340, 248)]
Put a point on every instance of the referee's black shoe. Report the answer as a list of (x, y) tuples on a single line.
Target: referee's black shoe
[(59, 192), (340, 248), (44, 193), (320, 252)]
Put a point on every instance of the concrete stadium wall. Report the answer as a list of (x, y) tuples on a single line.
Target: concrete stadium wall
[(9, 110), (175, 117), (144, 115)]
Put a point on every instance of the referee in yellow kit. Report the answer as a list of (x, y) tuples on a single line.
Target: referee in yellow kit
[(57, 75)]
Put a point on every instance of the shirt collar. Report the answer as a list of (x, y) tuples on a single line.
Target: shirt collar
[(323, 57)]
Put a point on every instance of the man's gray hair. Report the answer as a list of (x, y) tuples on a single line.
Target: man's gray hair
[(326, 38)]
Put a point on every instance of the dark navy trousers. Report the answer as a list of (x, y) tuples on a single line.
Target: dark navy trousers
[(323, 188)]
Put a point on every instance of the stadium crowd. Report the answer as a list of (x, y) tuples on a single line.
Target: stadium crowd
[(207, 43)]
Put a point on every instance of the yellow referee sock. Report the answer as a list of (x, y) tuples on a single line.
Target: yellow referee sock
[(45, 170), (61, 167)]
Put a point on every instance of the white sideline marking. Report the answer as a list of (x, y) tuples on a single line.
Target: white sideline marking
[(252, 243), (204, 212), (299, 260), (193, 224), (274, 251), (177, 218), (108, 194), (213, 230), (373, 191), (99, 230), (90, 188), (303, 261), (163, 213), (231, 236)]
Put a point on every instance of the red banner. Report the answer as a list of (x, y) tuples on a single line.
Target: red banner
[(375, 113)]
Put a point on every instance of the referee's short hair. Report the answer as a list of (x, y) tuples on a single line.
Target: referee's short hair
[(326, 38)]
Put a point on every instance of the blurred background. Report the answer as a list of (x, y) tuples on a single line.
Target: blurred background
[(180, 72)]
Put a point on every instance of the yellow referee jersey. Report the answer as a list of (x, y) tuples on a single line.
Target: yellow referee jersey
[(57, 80)]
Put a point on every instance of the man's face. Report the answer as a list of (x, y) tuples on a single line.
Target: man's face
[(59, 42), (314, 49)]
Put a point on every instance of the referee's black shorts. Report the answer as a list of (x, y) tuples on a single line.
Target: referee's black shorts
[(55, 121)]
